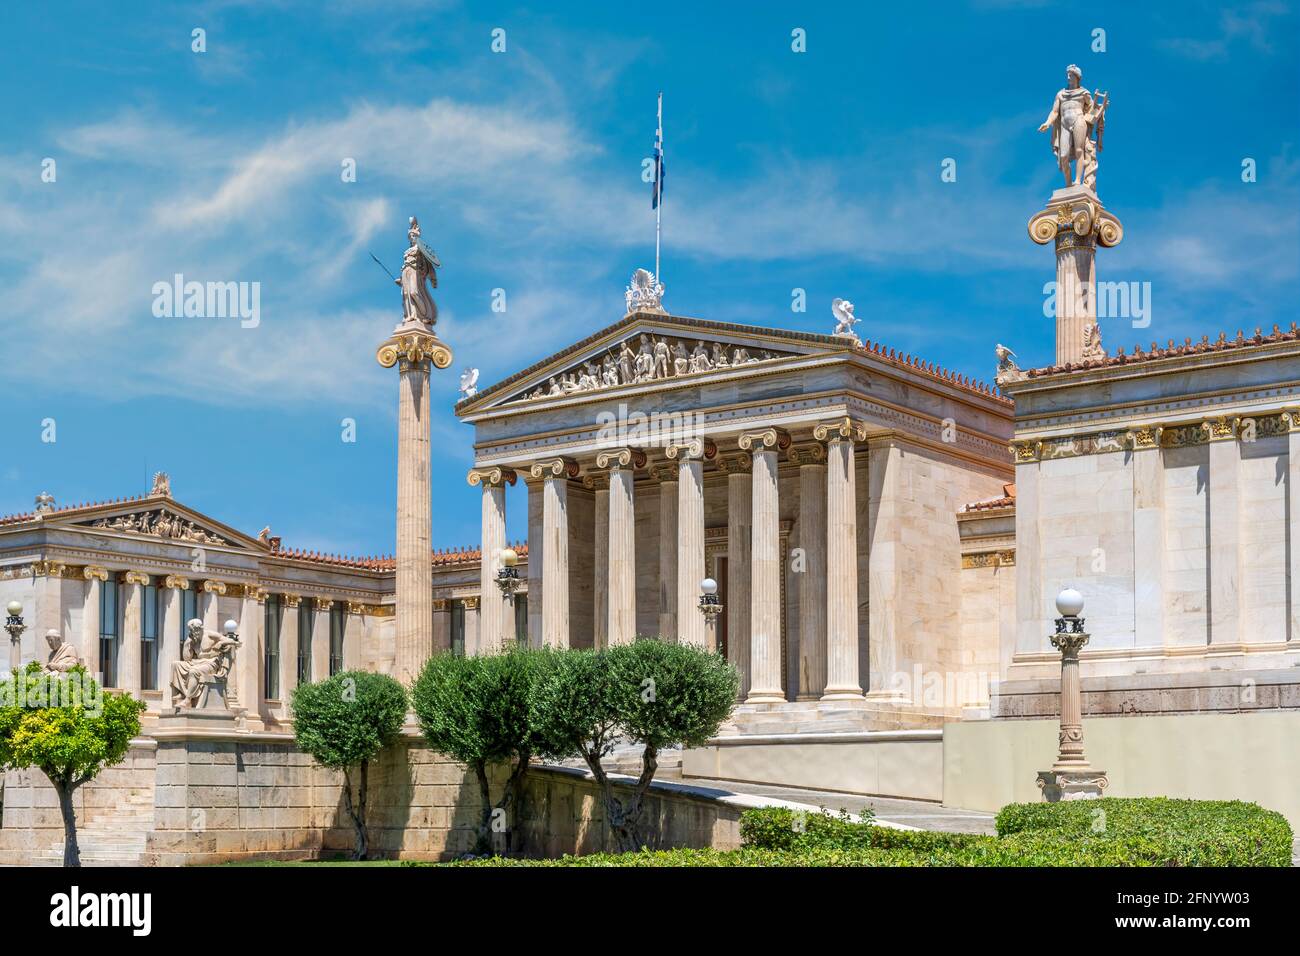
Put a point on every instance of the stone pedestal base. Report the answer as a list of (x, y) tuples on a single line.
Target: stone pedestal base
[(1072, 784)]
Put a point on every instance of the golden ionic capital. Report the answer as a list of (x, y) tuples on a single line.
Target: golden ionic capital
[(358, 607), (441, 604), (324, 604), (177, 582), (471, 602), (1291, 419), (214, 587), (1220, 429), (1145, 437), (135, 577), (841, 429), (290, 600), (807, 454), (734, 464), (1025, 452), (555, 468), (621, 458), (414, 348), (94, 572), (253, 593), (699, 447), (491, 477), (596, 482), (768, 439)]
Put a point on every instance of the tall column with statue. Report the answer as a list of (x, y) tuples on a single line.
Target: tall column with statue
[(1075, 219), (415, 349)]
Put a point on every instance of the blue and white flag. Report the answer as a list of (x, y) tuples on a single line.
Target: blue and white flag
[(658, 195)]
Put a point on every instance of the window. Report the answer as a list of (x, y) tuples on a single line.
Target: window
[(149, 636), (306, 616), (108, 632), (338, 620), (271, 629), (189, 612), (521, 619), (458, 628)]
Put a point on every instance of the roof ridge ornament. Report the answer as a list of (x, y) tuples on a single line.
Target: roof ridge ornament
[(644, 293)]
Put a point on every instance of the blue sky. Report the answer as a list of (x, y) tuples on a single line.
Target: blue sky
[(817, 170)]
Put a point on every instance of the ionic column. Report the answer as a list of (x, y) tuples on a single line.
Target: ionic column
[(841, 558), (473, 622), (320, 639), (599, 484), (415, 349), (691, 626), (248, 659), (555, 548), (128, 671), (740, 496), (622, 464), (765, 567), (169, 631), (496, 608), (668, 550), (208, 604), (90, 623), (811, 572), (288, 650), (1224, 531)]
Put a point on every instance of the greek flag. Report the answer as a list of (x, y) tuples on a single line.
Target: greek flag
[(658, 195)]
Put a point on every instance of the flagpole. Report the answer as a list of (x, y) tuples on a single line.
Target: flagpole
[(659, 204)]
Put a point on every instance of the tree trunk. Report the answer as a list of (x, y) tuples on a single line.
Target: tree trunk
[(483, 842), (71, 851), (513, 798), (358, 812)]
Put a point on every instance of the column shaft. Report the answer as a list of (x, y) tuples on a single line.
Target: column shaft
[(320, 639), (765, 597), (739, 522), (249, 660), (841, 573), (812, 581), (494, 609), (128, 671), (414, 585), (555, 561), (691, 626), (90, 625), (622, 557), (600, 570), (169, 639), (668, 554)]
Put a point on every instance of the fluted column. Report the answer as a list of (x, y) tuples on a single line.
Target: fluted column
[(248, 659), (599, 484), (622, 464), (811, 571), (169, 631), (289, 604), (496, 608), (415, 350), (691, 625), (740, 496), (668, 549), (128, 671), (765, 567), (555, 548), (90, 623), (841, 558)]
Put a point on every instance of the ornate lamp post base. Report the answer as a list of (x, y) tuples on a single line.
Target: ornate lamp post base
[(1072, 784)]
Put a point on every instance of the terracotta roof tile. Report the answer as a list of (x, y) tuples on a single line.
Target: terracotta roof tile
[(1172, 350), (1006, 500)]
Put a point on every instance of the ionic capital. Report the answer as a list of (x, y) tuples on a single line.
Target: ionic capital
[(214, 587), (414, 348), (699, 447), (1025, 452), (841, 429), (1220, 429), (290, 600), (358, 607), (135, 577), (769, 439), (734, 464), (555, 468), (807, 454), (93, 572), (597, 482), (1145, 437), (491, 477), (621, 458), (471, 602), (177, 582), (253, 593), (441, 604), (324, 604)]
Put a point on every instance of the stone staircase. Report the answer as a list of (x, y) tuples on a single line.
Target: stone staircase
[(110, 836)]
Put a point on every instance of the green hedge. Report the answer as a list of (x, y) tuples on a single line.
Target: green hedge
[(1107, 832)]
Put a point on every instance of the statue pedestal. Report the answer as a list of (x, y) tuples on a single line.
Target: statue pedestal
[(1083, 784), (213, 696)]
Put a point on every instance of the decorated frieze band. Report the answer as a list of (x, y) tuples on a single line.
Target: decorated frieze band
[(842, 429), (698, 447), (492, 477), (612, 458), (555, 468), (159, 523), (1143, 437), (769, 439), (989, 559)]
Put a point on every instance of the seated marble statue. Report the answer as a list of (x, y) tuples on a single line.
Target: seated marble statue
[(63, 656), (206, 656)]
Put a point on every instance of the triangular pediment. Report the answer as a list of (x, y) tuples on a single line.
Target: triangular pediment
[(647, 349), (161, 518)]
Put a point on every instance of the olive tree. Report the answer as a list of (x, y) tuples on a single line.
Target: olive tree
[(650, 691), (344, 723), (478, 710), (66, 726)]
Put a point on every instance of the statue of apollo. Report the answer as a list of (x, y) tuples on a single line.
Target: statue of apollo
[(1075, 114)]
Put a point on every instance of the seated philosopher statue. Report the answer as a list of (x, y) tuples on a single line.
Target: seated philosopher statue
[(206, 656), (63, 656)]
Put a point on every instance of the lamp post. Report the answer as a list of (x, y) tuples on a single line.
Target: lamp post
[(15, 626), (1071, 777), (508, 574), (710, 604)]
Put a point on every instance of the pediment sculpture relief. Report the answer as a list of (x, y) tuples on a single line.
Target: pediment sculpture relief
[(160, 523), (650, 358)]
